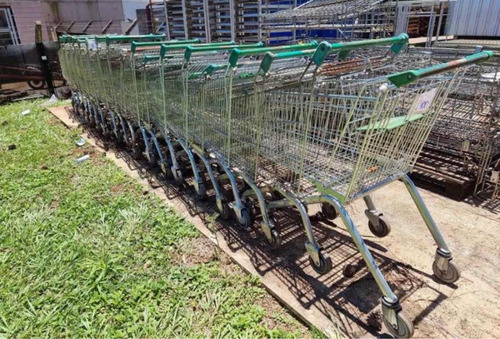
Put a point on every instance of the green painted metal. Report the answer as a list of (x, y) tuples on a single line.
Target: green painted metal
[(237, 53), (407, 77), (165, 47), (136, 44), (391, 123), (194, 49)]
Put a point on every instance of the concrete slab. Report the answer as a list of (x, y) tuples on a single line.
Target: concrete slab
[(342, 306)]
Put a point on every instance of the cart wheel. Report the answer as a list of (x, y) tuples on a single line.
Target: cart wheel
[(119, 138), (179, 178), (404, 328), (329, 212), (246, 219), (275, 241), (201, 193), (381, 230), (36, 84), (325, 263), (450, 276), (165, 169), (152, 158), (225, 212), (136, 152)]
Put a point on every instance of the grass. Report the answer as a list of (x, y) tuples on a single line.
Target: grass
[(84, 253)]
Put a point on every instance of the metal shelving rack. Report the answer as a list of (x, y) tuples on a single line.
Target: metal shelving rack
[(331, 19)]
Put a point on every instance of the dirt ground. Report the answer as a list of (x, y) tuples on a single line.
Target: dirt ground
[(351, 306)]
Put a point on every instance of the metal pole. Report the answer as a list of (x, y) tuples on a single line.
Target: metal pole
[(44, 61), (167, 27)]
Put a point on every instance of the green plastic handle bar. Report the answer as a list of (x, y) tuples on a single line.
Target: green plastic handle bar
[(192, 49), (164, 47), (136, 44), (148, 58), (237, 53), (268, 59), (212, 68), (130, 38), (343, 48), (407, 77)]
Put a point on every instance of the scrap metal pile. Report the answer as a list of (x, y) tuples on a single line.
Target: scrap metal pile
[(282, 127)]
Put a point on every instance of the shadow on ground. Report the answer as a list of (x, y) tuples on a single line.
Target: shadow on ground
[(353, 302)]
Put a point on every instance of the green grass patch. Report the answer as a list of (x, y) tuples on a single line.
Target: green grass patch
[(83, 253)]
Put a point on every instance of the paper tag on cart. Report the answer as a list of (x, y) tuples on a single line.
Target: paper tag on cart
[(92, 44), (423, 102), (495, 176)]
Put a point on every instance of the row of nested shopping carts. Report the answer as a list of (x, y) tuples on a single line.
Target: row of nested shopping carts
[(283, 126)]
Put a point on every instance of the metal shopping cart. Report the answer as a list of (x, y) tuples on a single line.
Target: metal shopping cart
[(334, 140), (240, 145)]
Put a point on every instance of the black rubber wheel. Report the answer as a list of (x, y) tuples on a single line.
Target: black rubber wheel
[(152, 157), (450, 276), (201, 193), (275, 241), (225, 212), (381, 230), (246, 220), (167, 172), (405, 326), (179, 178), (136, 152), (36, 84), (329, 212), (325, 264)]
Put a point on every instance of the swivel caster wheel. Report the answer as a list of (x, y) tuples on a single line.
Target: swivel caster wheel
[(178, 177), (403, 328), (224, 211), (451, 275), (165, 169), (245, 220), (136, 152), (325, 263), (201, 192), (329, 212), (382, 229), (275, 241)]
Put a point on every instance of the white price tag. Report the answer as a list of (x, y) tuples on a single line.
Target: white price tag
[(423, 102), (92, 44)]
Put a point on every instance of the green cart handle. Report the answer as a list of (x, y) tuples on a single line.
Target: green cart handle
[(129, 38), (136, 44), (164, 47), (148, 58), (193, 49), (237, 53), (212, 68), (343, 48), (407, 77), (319, 54)]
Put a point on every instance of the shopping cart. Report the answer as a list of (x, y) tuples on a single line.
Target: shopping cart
[(238, 145), (162, 79), (207, 119), (92, 69), (334, 140)]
